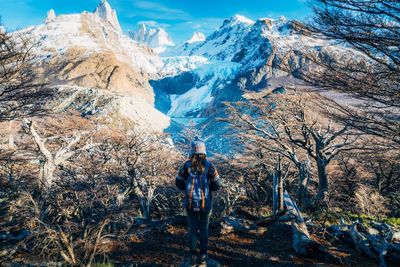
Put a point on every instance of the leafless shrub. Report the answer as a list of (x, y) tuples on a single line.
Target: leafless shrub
[(112, 177), (370, 202), (22, 93), (371, 73)]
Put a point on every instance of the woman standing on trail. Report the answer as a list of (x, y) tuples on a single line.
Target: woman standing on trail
[(198, 177)]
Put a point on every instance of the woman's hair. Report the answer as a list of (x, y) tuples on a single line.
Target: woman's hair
[(196, 162)]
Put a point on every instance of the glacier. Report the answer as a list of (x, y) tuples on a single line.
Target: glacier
[(174, 84)]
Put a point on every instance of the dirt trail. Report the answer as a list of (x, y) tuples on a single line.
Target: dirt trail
[(169, 248)]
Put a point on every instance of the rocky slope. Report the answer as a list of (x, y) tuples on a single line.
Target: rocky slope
[(188, 82), (89, 54), (241, 55)]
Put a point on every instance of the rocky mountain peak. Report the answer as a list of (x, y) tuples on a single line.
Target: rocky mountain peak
[(282, 19), (267, 22), (238, 20), (105, 12), (197, 37), (51, 16), (154, 37), (140, 34)]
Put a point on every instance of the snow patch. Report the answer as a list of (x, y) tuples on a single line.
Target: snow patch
[(140, 111), (196, 37), (239, 19), (191, 101)]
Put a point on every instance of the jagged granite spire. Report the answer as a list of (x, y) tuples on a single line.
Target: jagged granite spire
[(156, 38), (105, 12), (140, 34), (51, 16)]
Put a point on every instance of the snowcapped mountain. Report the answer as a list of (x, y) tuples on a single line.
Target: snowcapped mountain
[(96, 68), (180, 49), (90, 33), (196, 37), (105, 12), (155, 38), (242, 55), (239, 36), (217, 46), (222, 66), (143, 77)]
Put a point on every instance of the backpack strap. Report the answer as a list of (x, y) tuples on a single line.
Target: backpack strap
[(191, 194), (188, 167), (205, 173)]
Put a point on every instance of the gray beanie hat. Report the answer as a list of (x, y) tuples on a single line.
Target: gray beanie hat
[(197, 146)]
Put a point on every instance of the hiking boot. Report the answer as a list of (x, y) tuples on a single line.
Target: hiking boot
[(203, 259), (192, 260)]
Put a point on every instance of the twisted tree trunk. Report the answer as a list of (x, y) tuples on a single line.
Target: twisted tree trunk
[(52, 161), (302, 242), (277, 196), (304, 175), (323, 185)]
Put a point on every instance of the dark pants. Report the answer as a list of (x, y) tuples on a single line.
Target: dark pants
[(198, 228)]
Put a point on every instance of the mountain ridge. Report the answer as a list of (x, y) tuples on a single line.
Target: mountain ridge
[(85, 55), (155, 38), (189, 81)]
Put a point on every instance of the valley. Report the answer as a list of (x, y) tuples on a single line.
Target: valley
[(298, 117)]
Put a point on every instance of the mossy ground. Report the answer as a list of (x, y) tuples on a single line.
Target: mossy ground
[(331, 218)]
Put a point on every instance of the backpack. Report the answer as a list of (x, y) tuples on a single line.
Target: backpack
[(197, 193)]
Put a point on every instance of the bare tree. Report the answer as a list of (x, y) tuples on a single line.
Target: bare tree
[(279, 174), (266, 141), (109, 178), (147, 159), (384, 168), (288, 123), (371, 71), (52, 160), (21, 91)]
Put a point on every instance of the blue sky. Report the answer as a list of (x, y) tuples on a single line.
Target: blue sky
[(179, 17)]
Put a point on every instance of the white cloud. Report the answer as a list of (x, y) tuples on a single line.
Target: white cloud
[(202, 24), (153, 23), (155, 10)]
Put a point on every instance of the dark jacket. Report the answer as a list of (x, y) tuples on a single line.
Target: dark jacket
[(212, 175)]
